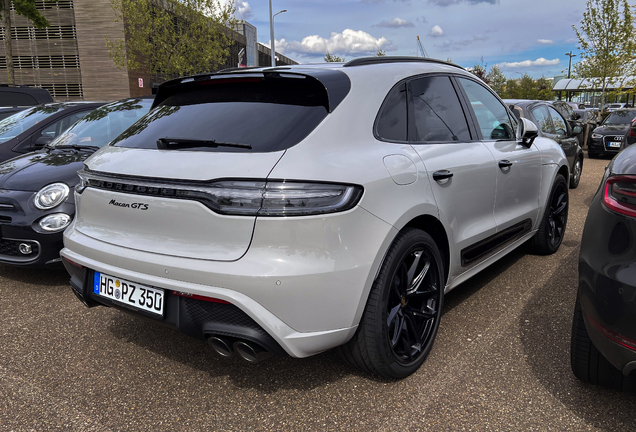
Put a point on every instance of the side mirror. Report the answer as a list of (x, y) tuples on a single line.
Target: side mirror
[(42, 141), (577, 130), (576, 116), (526, 132)]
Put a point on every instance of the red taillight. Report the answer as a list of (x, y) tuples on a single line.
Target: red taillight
[(620, 195), (632, 128), (200, 297), (619, 339)]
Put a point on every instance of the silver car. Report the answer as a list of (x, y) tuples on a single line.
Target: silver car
[(292, 210)]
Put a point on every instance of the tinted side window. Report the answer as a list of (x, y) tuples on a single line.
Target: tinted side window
[(491, 114), (559, 124), (543, 119), (438, 113), (392, 121)]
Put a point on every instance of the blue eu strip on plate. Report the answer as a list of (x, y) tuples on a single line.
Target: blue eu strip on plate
[(96, 283)]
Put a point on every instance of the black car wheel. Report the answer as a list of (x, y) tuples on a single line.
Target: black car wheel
[(403, 311), (555, 218), (577, 170), (588, 364)]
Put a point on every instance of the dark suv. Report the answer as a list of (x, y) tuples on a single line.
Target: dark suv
[(23, 96)]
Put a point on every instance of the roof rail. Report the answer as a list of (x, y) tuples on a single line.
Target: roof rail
[(364, 61)]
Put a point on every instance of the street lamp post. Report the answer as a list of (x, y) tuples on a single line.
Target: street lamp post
[(271, 31), (569, 54)]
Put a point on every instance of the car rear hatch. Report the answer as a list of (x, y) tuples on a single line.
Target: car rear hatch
[(188, 178)]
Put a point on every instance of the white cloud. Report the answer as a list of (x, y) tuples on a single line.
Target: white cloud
[(394, 23), (347, 42), (545, 41), (436, 31), (540, 62), (243, 10)]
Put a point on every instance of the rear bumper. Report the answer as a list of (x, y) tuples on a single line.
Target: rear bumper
[(304, 282), (607, 291)]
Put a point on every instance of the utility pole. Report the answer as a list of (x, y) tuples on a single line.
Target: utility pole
[(569, 54)]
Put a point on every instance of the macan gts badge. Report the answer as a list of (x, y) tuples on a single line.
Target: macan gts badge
[(295, 209)]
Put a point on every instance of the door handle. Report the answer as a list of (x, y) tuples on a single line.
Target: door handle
[(442, 175), (505, 165)]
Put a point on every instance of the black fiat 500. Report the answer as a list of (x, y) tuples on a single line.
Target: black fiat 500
[(36, 199), (603, 349)]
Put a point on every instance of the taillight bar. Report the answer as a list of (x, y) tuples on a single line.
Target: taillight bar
[(619, 194), (611, 335)]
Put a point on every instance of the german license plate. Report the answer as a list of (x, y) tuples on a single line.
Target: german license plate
[(129, 293), (614, 144)]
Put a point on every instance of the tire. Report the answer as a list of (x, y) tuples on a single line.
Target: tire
[(403, 311), (551, 231), (588, 364), (575, 177)]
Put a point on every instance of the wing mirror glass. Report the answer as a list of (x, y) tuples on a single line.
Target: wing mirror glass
[(577, 130)]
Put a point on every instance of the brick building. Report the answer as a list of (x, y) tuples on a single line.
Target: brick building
[(70, 58)]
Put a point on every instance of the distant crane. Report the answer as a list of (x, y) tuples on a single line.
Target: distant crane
[(422, 51)]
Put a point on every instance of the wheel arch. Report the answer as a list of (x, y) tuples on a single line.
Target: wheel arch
[(435, 229)]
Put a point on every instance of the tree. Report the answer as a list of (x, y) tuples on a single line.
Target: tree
[(481, 70), (544, 88), (27, 9), (333, 58), (497, 80), (512, 90), (527, 88), (606, 43), (380, 53), (172, 37)]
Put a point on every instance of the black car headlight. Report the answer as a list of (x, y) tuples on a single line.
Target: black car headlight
[(51, 196)]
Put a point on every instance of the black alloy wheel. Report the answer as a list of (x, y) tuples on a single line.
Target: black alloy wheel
[(413, 305), (403, 311), (577, 170), (551, 230)]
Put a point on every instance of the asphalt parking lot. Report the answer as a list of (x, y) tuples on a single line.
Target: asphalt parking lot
[(500, 362)]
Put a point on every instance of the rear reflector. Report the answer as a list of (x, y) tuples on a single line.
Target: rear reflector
[(620, 195), (200, 297), (621, 340)]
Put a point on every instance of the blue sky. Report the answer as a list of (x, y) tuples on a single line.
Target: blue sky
[(521, 36)]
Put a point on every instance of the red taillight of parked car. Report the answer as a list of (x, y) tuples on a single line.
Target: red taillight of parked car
[(616, 337), (620, 194)]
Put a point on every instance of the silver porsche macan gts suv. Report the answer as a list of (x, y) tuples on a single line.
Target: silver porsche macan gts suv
[(295, 209)]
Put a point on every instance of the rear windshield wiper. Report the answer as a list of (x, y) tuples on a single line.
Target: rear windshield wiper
[(186, 143)]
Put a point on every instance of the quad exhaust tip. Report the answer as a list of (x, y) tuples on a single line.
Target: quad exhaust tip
[(221, 346), (248, 351)]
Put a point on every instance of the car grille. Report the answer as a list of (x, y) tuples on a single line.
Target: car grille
[(201, 312), (10, 248), (607, 139)]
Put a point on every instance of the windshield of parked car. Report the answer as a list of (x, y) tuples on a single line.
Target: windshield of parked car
[(620, 118), (14, 125), (101, 126), (234, 115)]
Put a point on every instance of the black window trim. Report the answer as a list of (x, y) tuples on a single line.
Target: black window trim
[(410, 119), (511, 117)]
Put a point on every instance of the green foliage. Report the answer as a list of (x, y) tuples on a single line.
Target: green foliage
[(497, 80), (334, 58), (527, 88), (27, 9), (544, 88), (481, 70), (172, 37), (606, 42), (512, 90), (380, 53)]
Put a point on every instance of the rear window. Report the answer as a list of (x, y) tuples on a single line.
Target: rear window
[(233, 115), (9, 98), (14, 125)]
